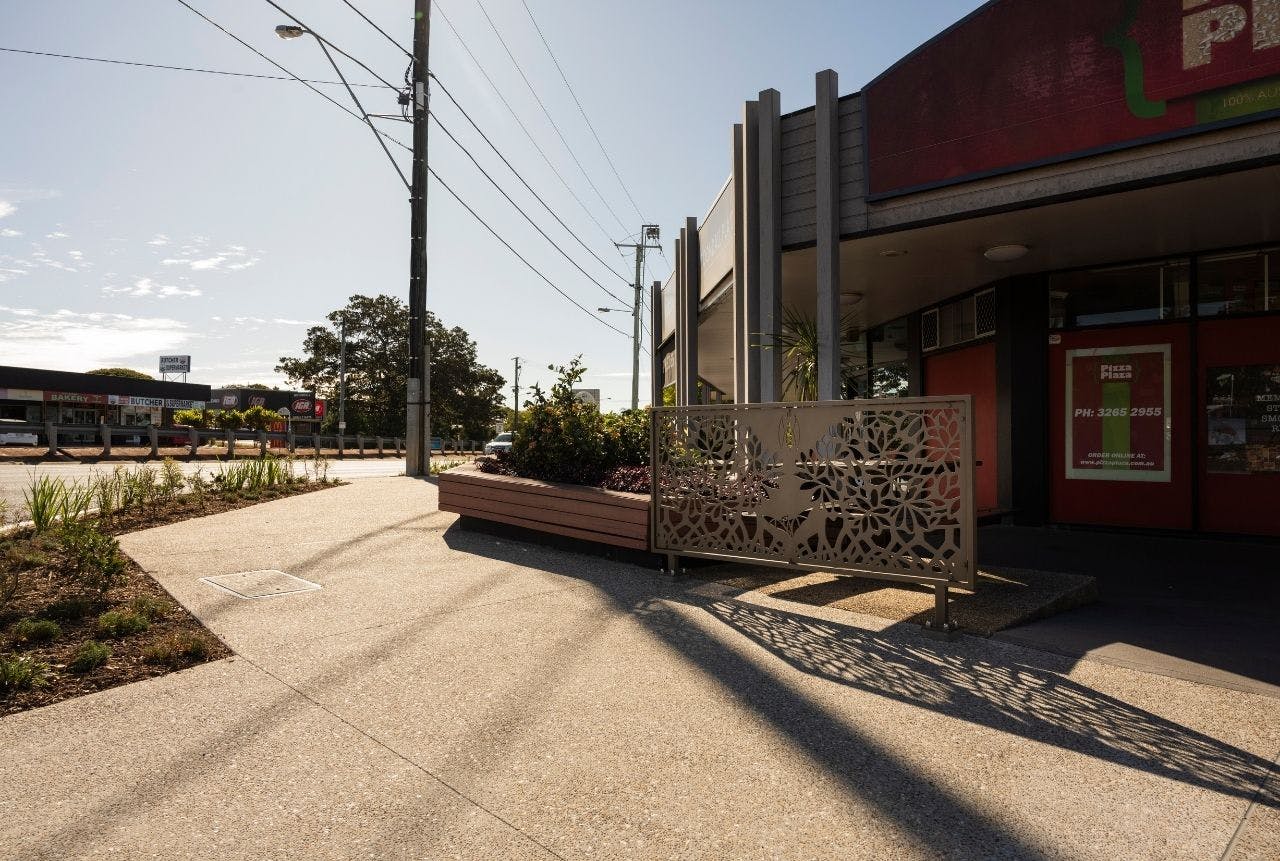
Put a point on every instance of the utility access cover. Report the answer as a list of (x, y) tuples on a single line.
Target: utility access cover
[(267, 583)]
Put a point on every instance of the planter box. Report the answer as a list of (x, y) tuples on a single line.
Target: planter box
[(570, 510)]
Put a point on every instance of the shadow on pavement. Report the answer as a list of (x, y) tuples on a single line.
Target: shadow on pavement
[(1212, 603)]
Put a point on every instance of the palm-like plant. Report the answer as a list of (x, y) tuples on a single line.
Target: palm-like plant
[(798, 342)]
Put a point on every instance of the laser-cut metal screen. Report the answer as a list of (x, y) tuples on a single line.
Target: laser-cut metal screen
[(882, 487)]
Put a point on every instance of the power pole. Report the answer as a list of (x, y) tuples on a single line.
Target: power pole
[(418, 416), (515, 390), (342, 381), (648, 233)]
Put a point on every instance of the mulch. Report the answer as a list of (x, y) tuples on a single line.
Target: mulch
[(42, 586)]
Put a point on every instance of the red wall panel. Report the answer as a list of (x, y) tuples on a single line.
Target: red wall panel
[(1157, 505), (1248, 503), (972, 371)]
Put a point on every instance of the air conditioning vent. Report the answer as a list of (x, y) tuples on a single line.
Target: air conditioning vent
[(984, 313), (929, 330)]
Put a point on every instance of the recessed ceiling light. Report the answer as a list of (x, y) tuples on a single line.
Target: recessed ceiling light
[(893, 252), (1005, 253)]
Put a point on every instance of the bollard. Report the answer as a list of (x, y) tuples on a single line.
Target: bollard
[(291, 442), (106, 439), (397, 446), (379, 446), (262, 443), (360, 444), (193, 439), (315, 443), (231, 445), (51, 435), (155, 440), (342, 439)]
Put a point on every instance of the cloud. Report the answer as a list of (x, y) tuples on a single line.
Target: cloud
[(233, 258), (73, 341), (9, 233), (57, 234), (7, 208), (287, 322), (160, 239), (145, 287), (76, 255)]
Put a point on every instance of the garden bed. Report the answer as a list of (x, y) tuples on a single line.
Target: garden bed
[(611, 517), (77, 615)]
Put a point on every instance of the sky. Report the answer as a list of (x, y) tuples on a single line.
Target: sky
[(147, 211)]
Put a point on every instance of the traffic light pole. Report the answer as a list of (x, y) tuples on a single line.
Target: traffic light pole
[(418, 416)]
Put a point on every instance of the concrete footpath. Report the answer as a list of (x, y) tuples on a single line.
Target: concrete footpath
[(452, 695)]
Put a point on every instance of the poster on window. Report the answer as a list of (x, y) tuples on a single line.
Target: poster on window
[(1243, 402), (1118, 422)]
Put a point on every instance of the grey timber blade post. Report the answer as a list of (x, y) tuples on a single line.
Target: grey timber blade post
[(770, 199), (827, 194)]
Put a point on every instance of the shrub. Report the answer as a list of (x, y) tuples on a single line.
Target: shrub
[(18, 674), (632, 479), (121, 623), (198, 419), (259, 418), (148, 607), (177, 649), (69, 609), (36, 631), (627, 438), (88, 656), (229, 419), (563, 438), (44, 501), (499, 463), (172, 481), (91, 556)]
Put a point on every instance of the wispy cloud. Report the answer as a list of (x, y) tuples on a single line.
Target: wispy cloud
[(284, 321), (10, 233), (57, 234), (75, 341), (145, 287), (159, 240), (233, 258), (7, 208)]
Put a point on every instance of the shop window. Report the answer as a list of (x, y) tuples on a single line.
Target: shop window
[(959, 321), (888, 360), (1120, 294), (856, 384), (1241, 283)]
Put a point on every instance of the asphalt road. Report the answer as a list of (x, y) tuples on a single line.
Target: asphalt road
[(16, 477)]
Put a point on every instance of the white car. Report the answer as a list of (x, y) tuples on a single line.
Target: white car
[(501, 442), (19, 438)]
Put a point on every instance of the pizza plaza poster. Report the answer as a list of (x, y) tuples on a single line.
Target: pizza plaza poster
[(1118, 422)]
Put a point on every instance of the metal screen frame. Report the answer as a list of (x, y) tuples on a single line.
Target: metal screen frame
[(879, 488)]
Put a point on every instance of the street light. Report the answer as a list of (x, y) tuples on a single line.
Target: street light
[(290, 31), (619, 310)]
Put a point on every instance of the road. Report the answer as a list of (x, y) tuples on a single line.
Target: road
[(16, 477)]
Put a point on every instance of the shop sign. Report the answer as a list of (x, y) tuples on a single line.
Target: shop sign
[(1019, 84), (1117, 411), (230, 400), (1243, 403), (301, 406), (175, 364), (179, 404), (132, 401), (320, 407), (715, 242), (74, 398), (21, 395)]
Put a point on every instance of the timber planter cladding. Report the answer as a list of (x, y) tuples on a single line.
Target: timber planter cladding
[(576, 511)]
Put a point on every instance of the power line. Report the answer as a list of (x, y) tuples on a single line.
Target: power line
[(535, 270), (511, 167), (298, 21), (364, 115), (502, 98), (547, 113), (388, 36), (501, 191), (582, 111), (178, 68)]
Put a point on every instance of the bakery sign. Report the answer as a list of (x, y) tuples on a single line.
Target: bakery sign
[(1020, 83), (1117, 413)]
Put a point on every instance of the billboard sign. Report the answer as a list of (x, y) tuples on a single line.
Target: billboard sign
[(588, 396), (1021, 83), (1118, 422), (175, 364)]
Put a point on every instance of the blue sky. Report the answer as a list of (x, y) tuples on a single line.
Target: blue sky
[(147, 211)]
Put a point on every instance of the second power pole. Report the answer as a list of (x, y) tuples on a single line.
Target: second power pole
[(648, 233)]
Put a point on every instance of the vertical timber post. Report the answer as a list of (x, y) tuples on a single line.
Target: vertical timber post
[(827, 200), (770, 200)]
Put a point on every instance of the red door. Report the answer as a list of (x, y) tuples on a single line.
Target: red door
[(1120, 427), (1239, 425), (972, 371)]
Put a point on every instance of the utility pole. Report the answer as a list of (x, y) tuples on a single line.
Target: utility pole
[(342, 380), (515, 390), (648, 234), (418, 415)]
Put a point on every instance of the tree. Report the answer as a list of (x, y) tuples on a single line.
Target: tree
[(464, 393), (128, 373)]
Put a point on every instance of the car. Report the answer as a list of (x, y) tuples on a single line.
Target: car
[(501, 442), (19, 438)]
